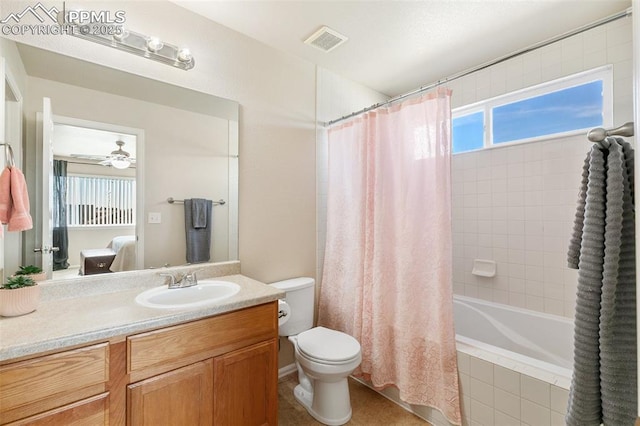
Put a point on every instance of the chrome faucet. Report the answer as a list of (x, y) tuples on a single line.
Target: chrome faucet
[(187, 280)]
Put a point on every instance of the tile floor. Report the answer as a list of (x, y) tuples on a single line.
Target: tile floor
[(369, 408)]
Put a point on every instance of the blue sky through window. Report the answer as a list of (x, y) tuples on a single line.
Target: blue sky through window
[(468, 132), (569, 109)]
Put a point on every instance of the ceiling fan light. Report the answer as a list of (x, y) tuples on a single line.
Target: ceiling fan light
[(121, 163)]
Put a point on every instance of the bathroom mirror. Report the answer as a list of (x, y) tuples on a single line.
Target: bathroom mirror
[(190, 150)]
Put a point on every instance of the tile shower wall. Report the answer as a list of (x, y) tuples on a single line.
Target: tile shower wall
[(515, 204)]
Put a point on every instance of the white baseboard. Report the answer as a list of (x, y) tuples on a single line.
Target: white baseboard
[(286, 370)]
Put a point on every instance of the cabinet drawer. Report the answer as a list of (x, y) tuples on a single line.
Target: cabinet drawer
[(162, 350), (88, 412), (40, 384)]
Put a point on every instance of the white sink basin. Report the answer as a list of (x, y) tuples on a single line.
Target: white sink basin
[(207, 292)]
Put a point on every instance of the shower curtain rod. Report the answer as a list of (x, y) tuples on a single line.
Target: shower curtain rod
[(501, 59)]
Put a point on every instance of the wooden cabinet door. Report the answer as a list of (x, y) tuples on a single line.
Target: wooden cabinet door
[(245, 386), (179, 397)]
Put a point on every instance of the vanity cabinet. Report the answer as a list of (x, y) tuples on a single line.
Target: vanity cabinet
[(220, 370), (236, 353)]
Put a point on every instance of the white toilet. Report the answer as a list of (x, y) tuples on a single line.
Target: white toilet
[(324, 357)]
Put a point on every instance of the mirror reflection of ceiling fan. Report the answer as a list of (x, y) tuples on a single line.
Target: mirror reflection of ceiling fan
[(120, 159)]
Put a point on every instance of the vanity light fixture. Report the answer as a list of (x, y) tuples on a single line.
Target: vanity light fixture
[(118, 37)]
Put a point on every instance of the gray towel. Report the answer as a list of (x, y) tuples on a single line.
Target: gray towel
[(199, 212), (603, 388), (198, 239)]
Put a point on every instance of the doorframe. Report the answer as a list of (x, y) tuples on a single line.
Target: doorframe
[(139, 155)]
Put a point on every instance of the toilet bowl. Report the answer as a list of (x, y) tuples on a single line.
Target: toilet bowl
[(324, 357)]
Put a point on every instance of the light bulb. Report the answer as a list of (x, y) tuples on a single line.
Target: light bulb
[(154, 44), (121, 35), (120, 164), (184, 55)]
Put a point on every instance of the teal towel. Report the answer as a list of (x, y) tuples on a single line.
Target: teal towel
[(199, 212), (198, 239)]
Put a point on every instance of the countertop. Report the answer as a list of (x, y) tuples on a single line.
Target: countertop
[(62, 322)]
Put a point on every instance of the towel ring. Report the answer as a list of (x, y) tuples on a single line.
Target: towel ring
[(8, 153)]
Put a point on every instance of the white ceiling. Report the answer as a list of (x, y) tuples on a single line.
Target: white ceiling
[(397, 46), (85, 141)]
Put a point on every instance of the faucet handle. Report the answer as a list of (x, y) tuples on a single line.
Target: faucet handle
[(172, 279), (189, 279)]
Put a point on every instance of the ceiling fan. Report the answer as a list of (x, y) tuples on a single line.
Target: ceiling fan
[(120, 159)]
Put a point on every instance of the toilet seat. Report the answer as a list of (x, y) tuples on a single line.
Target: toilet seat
[(327, 346)]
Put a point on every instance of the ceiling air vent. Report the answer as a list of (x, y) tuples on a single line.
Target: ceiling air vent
[(326, 39)]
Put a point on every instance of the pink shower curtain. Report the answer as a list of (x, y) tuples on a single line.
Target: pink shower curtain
[(387, 268)]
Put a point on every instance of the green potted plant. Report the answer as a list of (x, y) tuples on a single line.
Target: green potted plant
[(19, 296), (33, 272)]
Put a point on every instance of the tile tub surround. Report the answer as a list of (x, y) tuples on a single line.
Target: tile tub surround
[(111, 311), (494, 395)]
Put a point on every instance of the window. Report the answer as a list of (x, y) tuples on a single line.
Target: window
[(468, 132), (558, 108), (101, 201)]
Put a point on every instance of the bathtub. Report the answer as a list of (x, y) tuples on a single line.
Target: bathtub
[(514, 364), (526, 341)]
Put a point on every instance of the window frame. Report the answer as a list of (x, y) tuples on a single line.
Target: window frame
[(604, 73)]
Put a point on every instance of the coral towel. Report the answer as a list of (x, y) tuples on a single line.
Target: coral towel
[(14, 200), (5, 195), (19, 217)]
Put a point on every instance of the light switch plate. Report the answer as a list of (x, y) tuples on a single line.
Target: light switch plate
[(155, 217)]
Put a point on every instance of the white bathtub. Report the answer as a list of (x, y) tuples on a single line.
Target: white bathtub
[(532, 343)]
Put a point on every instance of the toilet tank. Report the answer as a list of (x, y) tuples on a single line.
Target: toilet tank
[(300, 294)]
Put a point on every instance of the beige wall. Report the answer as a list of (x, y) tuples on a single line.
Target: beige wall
[(185, 156)]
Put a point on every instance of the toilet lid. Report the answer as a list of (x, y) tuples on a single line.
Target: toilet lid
[(330, 345)]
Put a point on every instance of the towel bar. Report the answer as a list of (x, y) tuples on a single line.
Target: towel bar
[(599, 134), (171, 200)]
